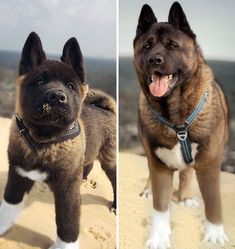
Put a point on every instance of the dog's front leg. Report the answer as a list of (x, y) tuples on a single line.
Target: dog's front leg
[(66, 191), (161, 179), (13, 201), (209, 183)]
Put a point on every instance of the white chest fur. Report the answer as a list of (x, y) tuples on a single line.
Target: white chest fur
[(173, 158), (34, 175)]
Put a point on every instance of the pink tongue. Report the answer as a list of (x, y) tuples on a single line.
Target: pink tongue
[(159, 85)]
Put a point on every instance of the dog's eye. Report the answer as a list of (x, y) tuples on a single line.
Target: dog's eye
[(40, 82), (70, 85), (172, 44), (147, 46)]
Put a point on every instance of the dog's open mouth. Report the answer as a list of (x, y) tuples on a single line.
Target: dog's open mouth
[(160, 84)]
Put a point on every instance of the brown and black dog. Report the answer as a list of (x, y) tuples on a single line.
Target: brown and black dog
[(178, 86), (60, 127)]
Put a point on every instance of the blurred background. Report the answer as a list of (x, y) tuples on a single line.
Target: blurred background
[(93, 23), (212, 23)]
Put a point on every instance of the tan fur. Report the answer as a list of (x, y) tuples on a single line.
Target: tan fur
[(19, 81), (211, 120)]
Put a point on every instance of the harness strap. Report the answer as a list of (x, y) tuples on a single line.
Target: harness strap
[(193, 115), (182, 130), (25, 133), (72, 132)]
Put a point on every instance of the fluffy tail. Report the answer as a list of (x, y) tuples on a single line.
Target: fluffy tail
[(101, 100)]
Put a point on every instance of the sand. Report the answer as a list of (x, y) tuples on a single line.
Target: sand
[(186, 223), (36, 228)]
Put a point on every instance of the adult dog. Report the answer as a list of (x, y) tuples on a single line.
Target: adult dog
[(183, 119)]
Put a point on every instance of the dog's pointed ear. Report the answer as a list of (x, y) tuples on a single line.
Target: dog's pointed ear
[(32, 54), (146, 19), (72, 55), (178, 19)]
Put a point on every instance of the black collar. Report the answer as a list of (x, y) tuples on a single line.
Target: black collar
[(72, 132), (182, 130)]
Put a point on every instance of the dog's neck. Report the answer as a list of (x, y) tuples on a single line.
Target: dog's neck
[(35, 144), (46, 134)]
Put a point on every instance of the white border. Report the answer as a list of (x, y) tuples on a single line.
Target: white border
[(117, 121)]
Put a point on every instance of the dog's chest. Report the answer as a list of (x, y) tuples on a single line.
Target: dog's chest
[(34, 175), (173, 158)]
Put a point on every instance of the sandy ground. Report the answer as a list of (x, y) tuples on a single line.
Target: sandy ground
[(186, 223), (36, 225)]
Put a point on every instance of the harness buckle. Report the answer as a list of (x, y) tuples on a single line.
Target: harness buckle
[(182, 135)]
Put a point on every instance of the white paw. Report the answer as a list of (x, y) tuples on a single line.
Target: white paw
[(8, 215), (160, 231), (190, 202), (215, 234), (147, 193), (158, 242), (5, 227), (59, 244)]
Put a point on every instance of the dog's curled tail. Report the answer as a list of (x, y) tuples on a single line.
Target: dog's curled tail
[(101, 100)]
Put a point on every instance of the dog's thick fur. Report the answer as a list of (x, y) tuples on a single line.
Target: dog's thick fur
[(176, 44), (63, 162)]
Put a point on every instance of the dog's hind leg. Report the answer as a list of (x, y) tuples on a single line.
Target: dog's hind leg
[(110, 171), (86, 170), (147, 191), (107, 160), (13, 200), (184, 194)]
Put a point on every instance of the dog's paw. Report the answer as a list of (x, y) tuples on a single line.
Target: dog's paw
[(190, 202), (8, 215), (5, 227), (158, 242), (59, 244), (160, 232), (215, 234), (147, 193), (113, 207)]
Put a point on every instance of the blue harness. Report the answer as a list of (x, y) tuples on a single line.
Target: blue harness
[(182, 130)]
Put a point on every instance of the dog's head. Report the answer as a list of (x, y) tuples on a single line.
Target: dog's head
[(50, 93), (165, 52)]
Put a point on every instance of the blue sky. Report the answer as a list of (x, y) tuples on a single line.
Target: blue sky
[(212, 20), (93, 22)]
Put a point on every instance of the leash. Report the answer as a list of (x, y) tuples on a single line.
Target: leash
[(182, 130), (72, 132)]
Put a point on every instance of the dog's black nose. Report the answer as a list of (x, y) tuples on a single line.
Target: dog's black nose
[(56, 96), (156, 59)]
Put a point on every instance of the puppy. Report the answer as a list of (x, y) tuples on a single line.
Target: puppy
[(59, 128)]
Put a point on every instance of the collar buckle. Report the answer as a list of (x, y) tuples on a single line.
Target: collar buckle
[(22, 130)]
